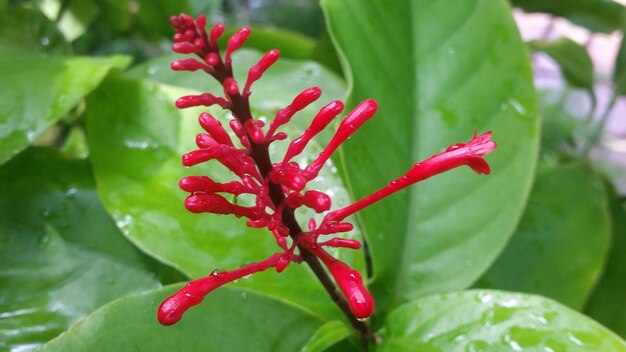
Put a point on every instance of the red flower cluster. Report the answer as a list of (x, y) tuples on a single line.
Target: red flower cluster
[(279, 188)]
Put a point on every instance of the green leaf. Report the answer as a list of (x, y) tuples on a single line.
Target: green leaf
[(561, 244), (326, 54), (439, 71), (605, 304), (62, 255), (152, 18), (299, 16), (41, 90), (72, 17), (596, 15), (573, 58), (493, 321), (327, 336), (227, 320), (136, 138), (30, 29)]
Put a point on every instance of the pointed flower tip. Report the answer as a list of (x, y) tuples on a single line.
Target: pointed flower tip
[(350, 281), (482, 145), (173, 308)]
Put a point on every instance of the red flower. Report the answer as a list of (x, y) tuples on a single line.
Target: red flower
[(279, 187)]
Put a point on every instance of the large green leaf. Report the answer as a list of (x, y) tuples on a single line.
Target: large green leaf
[(29, 28), (561, 244), (227, 320), (62, 255), (493, 321), (439, 70), (136, 138), (597, 15), (605, 304), (38, 90)]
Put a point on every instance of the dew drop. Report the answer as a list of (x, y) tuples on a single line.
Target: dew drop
[(43, 241), (517, 106), (575, 339), (45, 41)]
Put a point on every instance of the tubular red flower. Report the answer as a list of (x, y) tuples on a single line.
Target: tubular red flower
[(470, 154), (256, 71), (300, 102), (355, 119), (235, 42), (350, 282), (204, 99), (320, 121), (172, 309)]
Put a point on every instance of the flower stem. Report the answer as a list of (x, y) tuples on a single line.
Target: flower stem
[(240, 108)]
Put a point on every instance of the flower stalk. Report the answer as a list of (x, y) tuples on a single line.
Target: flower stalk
[(280, 187)]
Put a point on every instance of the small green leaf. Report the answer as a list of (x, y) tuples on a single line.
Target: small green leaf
[(605, 304), (136, 139), (62, 255), (562, 241), (573, 58), (440, 70), (561, 126), (493, 321), (227, 320), (619, 75), (597, 15), (40, 90), (327, 336)]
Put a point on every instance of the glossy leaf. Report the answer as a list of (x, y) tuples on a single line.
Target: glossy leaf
[(439, 71), (493, 321), (605, 304), (562, 242), (29, 28), (62, 255), (41, 90), (597, 15), (573, 59), (327, 336), (136, 149), (276, 89), (228, 320)]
